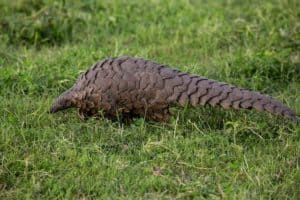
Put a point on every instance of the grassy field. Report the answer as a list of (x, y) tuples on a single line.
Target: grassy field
[(203, 153)]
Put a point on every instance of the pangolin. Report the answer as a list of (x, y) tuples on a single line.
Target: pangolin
[(135, 87)]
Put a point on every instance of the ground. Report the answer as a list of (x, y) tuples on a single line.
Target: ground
[(203, 153)]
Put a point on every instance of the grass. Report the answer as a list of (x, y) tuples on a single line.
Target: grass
[(203, 153)]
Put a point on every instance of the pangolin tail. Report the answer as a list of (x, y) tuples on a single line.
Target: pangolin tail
[(203, 91)]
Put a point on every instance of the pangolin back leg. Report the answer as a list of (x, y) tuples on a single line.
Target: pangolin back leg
[(159, 115)]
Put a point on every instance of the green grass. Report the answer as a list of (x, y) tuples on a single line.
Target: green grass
[(203, 153)]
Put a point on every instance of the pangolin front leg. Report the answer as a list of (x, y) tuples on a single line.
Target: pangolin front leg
[(135, 87)]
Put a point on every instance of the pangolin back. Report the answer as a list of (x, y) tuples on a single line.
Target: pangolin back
[(139, 87)]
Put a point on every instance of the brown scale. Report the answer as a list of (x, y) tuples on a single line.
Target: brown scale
[(134, 87)]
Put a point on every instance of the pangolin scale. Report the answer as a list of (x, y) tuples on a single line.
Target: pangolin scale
[(135, 87)]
